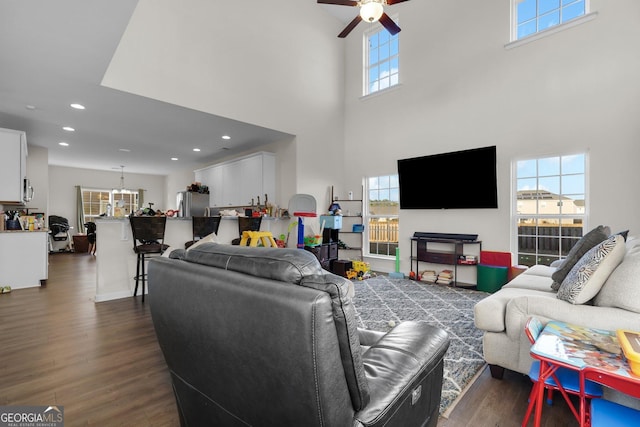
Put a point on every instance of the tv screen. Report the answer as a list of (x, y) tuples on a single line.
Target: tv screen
[(457, 180)]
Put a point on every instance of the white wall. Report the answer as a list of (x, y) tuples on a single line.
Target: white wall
[(576, 90), (230, 59), (63, 182)]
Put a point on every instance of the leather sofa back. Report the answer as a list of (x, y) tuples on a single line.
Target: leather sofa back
[(270, 328)]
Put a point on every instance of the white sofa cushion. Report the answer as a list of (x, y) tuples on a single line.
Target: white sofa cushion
[(622, 288), (531, 281), (589, 274), (541, 270)]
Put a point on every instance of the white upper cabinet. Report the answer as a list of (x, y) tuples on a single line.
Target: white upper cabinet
[(237, 182), (13, 165)]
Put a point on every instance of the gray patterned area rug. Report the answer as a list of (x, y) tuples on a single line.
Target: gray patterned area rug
[(381, 300)]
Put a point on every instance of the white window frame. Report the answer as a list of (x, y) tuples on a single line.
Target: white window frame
[(368, 216), (514, 41), (89, 217), (365, 64), (515, 216)]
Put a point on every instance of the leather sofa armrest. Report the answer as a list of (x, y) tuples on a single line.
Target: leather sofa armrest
[(397, 363)]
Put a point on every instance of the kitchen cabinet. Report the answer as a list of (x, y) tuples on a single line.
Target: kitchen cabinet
[(25, 258), (13, 165), (236, 182)]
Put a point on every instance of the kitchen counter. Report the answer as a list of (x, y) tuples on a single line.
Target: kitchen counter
[(25, 258), (44, 230), (116, 261)]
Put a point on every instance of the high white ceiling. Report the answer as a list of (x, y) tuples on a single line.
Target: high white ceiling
[(54, 53)]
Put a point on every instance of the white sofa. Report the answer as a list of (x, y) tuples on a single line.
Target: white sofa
[(612, 302)]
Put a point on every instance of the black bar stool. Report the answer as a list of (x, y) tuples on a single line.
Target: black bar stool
[(148, 237), (203, 226)]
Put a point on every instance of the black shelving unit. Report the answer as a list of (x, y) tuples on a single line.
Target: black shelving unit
[(445, 251), (352, 210)]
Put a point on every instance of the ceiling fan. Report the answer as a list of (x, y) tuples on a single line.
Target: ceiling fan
[(370, 11)]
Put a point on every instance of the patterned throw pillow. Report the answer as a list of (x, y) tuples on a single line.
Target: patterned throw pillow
[(582, 246), (589, 274)]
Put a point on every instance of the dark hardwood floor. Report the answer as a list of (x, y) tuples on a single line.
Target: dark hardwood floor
[(103, 364)]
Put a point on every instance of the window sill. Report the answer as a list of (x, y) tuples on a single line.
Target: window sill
[(553, 30), (381, 92)]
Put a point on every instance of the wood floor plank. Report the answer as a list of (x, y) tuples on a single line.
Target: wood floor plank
[(102, 361)]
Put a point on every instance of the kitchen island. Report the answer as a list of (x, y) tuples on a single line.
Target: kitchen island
[(24, 262), (116, 261)]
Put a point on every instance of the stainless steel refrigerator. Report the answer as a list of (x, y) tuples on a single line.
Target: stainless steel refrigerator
[(191, 204)]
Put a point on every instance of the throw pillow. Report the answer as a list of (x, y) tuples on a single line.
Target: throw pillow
[(589, 274), (209, 238), (622, 288), (582, 246)]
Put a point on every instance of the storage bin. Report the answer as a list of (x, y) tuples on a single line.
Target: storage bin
[(491, 278), (340, 267), (358, 228), (331, 221), (630, 343)]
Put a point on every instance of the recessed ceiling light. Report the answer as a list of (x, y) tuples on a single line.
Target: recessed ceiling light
[(124, 150), (64, 144), (68, 128), (30, 107), (77, 106), (174, 158), (226, 137), (196, 149)]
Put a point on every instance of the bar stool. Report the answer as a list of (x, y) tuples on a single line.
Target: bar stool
[(203, 226), (247, 223), (148, 236)]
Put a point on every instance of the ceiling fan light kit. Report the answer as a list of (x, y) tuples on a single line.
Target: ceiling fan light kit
[(370, 11)]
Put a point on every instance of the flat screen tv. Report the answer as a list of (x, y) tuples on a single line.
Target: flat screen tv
[(457, 180)]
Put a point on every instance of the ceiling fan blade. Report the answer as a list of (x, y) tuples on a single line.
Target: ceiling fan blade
[(339, 2), (350, 27), (389, 24), (390, 2)]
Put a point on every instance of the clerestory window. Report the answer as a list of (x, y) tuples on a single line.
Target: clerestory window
[(534, 16), (381, 61)]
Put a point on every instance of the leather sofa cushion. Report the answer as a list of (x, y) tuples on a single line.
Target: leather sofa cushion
[(285, 265), (348, 338)]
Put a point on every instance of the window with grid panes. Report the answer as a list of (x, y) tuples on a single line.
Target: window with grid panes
[(381, 63), (126, 200), (550, 207), (382, 208), (533, 16), (94, 203)]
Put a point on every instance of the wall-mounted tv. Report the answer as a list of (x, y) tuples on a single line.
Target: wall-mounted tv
[(456, 180)]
